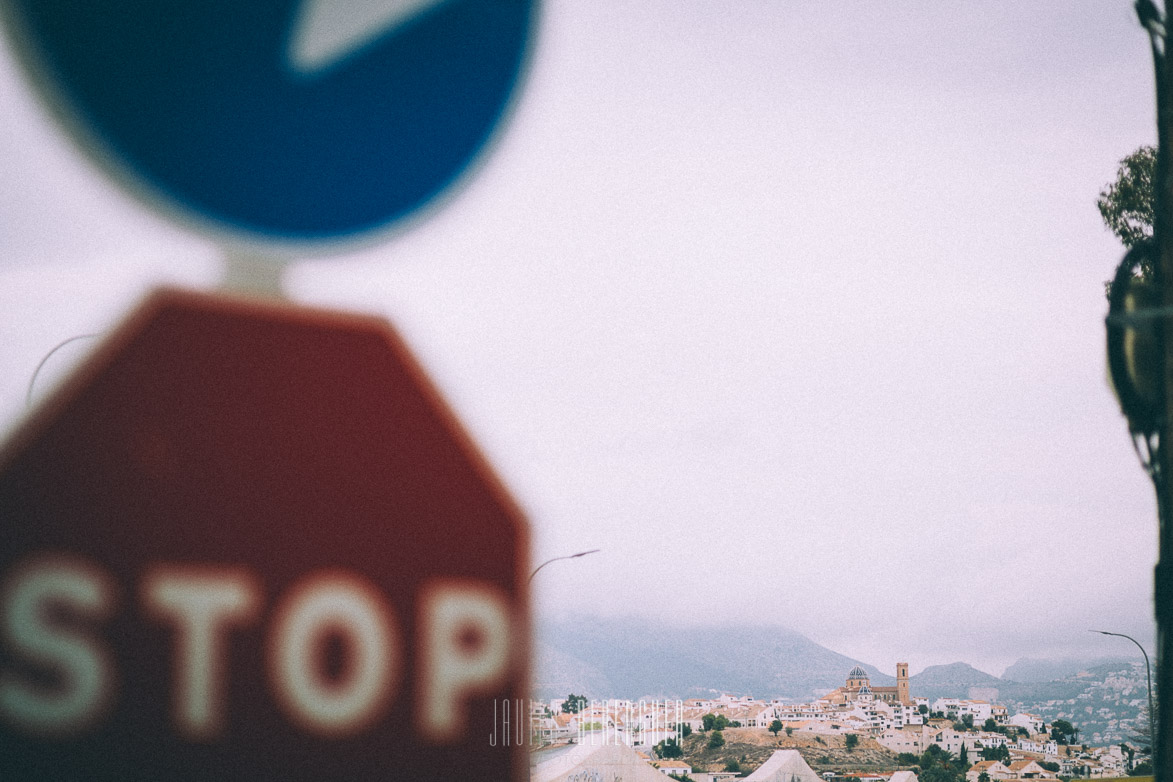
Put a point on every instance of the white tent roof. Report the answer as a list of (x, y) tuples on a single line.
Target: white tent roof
[(785, 765), (903, 776), (607, 761)]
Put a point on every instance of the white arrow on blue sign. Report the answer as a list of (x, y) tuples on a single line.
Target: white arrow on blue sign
[(291, 120)]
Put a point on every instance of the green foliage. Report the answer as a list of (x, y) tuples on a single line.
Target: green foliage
[(668, 748), (959, 727), (967, 721), (574, 704), (938, 765), (934, 755), (708, 721), (907, 759), (983, 777), (963, 758), (991, 726), (940, 774), (1142, 769), (776, 726), (681, 777), (1001, 753), (852, 741), (1126, 205), (1063, 732), (733, 765), (1052, 767), (789, 731), (923, 709), (735, 724), (716, 740), (685, 729)]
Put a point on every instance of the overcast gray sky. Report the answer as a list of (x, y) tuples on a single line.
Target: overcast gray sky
[(795, 309)]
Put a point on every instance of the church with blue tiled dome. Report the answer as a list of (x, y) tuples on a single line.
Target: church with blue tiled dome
[(858, 687)]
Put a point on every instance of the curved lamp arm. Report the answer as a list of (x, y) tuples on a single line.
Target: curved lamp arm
[(555, 559)]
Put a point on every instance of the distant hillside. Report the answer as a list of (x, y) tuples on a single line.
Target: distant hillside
[(953, 673), (950, 681), (636, 658), (1103, 700), (1030, 669), (752, 747)]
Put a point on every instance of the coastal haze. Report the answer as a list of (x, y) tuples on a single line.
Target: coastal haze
[(794, 310)]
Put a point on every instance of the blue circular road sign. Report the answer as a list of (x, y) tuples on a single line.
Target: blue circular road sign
[(291, 120)]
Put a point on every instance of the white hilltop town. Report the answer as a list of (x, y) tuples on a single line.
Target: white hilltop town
[(854, 733)]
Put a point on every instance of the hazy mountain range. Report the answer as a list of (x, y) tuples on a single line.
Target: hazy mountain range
[(635, 658)]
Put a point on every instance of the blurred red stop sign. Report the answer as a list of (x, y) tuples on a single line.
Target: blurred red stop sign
[(250, 542)]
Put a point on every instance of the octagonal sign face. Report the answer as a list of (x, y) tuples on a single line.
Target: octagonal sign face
[(289, 120), (272, 555)]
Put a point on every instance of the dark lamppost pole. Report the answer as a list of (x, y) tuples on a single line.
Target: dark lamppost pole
[(1149, 675), (1144, 379), (1155, 22), (555, 559)]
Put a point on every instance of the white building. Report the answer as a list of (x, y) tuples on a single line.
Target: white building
[(677, 767), (950, 707), (985, 740), (1044, 747), (1030, 769), (1112, 759), (991, 768), (952, 741), (914, 739), (980, 711), (1032, 722), (912, 716)]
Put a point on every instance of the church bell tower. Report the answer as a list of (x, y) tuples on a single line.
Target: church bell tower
[(902, 684)]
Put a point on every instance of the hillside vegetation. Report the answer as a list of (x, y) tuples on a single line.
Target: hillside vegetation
[(751, 747)]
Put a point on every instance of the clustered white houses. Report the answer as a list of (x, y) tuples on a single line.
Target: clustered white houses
[(893, 717), (639, 724), (917, 739), (857, 707), (980, 711), (1093, 763)]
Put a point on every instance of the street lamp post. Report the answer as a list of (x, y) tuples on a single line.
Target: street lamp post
[(555, 559), (1149, 675)]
